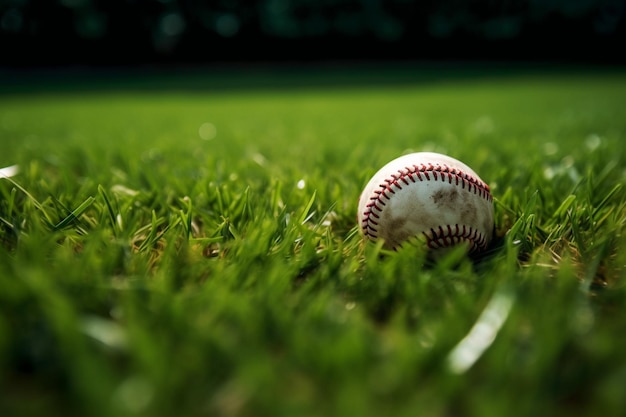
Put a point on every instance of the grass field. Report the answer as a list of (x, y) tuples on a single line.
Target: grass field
[(186, 245)]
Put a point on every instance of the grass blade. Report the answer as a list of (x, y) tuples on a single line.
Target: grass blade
[(304, 216), (111, 212), (74, 214), (482, 334)]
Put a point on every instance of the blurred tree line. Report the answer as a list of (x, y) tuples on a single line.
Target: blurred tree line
[(57, 32)]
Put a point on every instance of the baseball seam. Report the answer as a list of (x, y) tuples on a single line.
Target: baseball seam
[(446, 235)]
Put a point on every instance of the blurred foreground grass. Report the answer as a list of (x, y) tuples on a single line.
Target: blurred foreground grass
[(180, 251)]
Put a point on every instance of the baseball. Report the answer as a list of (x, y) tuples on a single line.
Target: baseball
[(429, 196)]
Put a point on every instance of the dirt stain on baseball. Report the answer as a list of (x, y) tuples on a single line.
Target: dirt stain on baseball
[(395, 232), (468, 211), (446, 198), (453, 199)]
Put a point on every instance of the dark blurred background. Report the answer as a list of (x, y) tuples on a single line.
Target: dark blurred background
[(49, 33)]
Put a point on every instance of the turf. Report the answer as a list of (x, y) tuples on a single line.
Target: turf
[(188, 246)]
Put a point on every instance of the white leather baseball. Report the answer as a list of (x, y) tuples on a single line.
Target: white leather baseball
[(428, 196)]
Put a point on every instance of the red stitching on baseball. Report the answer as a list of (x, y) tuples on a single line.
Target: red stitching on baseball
[(448, 237), (442, 239)]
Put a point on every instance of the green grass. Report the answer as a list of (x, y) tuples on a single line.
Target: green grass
[(194, 251)]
